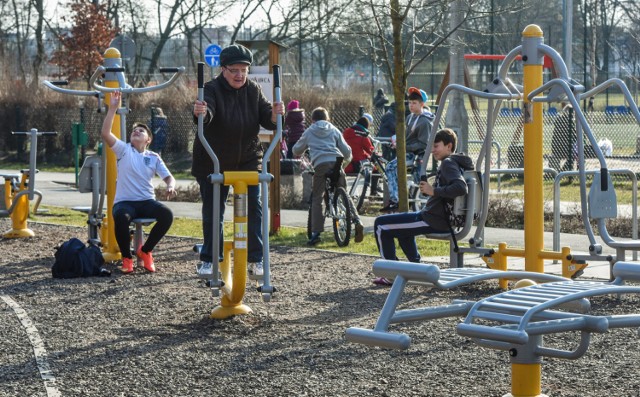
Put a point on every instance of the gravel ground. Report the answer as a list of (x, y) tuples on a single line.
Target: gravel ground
[(150, 335)]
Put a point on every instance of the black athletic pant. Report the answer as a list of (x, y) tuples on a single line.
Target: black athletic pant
[(125, 211)]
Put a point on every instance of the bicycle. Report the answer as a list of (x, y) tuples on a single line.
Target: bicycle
[(370, 170), (417, 200), (375, 167), (336, 207)]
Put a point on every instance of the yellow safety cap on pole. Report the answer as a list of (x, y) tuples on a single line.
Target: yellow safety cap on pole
[(112, 52), (532, 31)]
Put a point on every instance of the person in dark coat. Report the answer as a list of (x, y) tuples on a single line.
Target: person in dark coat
[(387, 129), (380, 100), (234, 108), (294, 125), (159, 127)]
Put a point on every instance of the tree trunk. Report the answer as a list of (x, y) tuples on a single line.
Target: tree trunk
[(399, 88)]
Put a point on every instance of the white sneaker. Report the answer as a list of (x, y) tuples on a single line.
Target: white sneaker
[(257, 269), (204, 269)]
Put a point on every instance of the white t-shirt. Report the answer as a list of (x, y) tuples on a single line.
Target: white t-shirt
[(135, 172)]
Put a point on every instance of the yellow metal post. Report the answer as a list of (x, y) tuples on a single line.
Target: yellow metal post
[(111, 251), (526, 380), (233, 291), (532, 58)]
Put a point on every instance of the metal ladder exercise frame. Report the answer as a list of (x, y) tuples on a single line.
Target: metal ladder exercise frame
[(523, 315)]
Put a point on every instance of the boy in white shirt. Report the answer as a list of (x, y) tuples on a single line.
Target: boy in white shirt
[(135, 196)]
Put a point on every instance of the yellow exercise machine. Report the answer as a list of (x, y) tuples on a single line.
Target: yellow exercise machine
[(18, 195), (232, 283), (112, 73)]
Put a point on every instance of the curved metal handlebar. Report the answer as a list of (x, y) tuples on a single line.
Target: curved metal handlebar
[(39, 133), (128, 89), (54, 86)]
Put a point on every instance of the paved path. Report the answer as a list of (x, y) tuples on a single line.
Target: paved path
[(57, 190)]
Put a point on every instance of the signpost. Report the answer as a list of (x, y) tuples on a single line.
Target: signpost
[(212, 55)]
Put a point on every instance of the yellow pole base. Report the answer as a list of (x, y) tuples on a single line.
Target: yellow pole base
[(537, 395), (526, 380), (222, 312), (111, 256), (19, 233)]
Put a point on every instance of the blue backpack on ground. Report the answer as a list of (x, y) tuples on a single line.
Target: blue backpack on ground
[(75, 259)]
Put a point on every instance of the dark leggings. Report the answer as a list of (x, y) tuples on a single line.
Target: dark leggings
[(125, 211)]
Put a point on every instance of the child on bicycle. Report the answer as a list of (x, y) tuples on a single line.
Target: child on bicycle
[(417, 131), (357, 137), (325, 144)]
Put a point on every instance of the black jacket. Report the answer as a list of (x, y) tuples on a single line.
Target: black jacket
[(449, 184), (231, 127), (388, 123)]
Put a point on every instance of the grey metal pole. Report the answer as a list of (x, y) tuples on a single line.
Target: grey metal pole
[(457, 118), (215, 244)]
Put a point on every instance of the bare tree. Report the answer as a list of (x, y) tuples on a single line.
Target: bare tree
[(39, 57), (20, 28), (403, 36)]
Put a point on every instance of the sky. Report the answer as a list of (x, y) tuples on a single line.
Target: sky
[(57, 9)]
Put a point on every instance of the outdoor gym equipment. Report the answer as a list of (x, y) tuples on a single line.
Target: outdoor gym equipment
[(517, 320), (91, 180), (233, 285), (514, 321), (601, 201), (19, 191), (112, 72)]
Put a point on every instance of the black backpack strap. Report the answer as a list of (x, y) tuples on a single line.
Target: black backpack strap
[(449, 215), (453, 234)]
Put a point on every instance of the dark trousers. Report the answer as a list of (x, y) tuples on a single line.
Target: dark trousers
[(254, 221), (125, 211), (404, 227)]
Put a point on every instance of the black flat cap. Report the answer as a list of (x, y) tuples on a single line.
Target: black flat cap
[(235, 53)]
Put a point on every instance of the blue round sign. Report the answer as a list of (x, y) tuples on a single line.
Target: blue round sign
[(212, 55)]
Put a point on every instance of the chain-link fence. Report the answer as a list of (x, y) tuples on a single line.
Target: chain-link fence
[(617, 131)]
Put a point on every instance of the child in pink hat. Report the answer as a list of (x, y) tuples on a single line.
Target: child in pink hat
[(294, 125)]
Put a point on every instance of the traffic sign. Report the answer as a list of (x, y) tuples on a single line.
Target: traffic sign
[(212, 55)]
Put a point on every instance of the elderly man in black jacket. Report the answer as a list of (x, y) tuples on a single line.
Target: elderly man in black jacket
[(234, 108)]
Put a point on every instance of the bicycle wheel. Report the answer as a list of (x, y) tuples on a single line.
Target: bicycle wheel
[(359, 188), (341, 217), (417, 200)]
